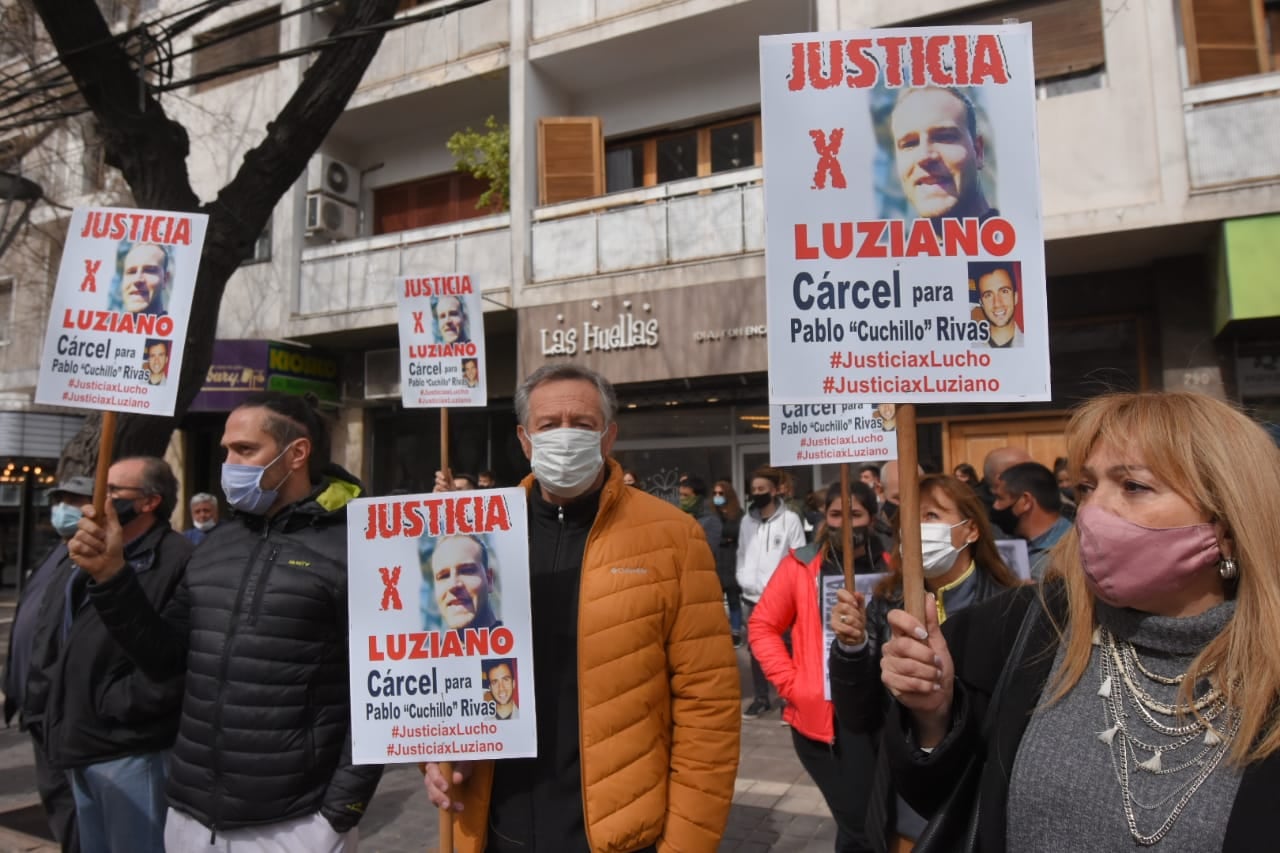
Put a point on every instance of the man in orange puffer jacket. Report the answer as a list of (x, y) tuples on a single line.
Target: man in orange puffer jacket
[(636, 682)]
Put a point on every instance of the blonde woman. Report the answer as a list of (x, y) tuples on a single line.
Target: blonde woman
[(1140, 713)]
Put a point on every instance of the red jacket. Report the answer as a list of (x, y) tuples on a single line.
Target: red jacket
[(790, 601)]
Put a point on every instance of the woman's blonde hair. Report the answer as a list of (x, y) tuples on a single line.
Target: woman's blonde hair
[(1224, 464)]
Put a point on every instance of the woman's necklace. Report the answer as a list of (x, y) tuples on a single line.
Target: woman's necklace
[(1212, 722)]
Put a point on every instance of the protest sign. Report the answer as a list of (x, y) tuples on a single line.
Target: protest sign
[(1014, 554), (118, 321), (441, 341), (441, 647), (904, 247), (828, 433), (828, 586)]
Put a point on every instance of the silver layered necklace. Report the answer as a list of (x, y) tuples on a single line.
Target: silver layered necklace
[(1190, 741)]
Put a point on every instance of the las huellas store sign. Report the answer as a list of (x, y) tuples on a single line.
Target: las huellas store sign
[(699, 330)]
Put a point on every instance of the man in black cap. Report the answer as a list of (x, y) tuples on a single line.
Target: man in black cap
[(65, 501)]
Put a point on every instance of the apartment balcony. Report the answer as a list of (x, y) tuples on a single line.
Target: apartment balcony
[(1231, 131), (359, 275), (683, 221), (470, 42)]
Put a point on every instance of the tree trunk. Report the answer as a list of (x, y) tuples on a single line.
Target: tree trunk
[(150, 149)]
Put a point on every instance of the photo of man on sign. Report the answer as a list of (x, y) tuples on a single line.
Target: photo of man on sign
[(461, 591), (157, 360), (451, 320), (995, 284), (500, 681), (143, 279)]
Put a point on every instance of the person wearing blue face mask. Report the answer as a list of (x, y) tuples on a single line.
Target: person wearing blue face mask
[(65, 500), (259, 626), (629, 636), (104, 722)]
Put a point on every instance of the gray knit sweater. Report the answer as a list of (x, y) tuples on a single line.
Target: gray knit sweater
[(1064, 793)]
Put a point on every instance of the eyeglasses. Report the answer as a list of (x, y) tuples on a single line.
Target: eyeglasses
[(114, 491)]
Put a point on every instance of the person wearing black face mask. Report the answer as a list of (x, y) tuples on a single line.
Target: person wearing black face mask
[(769, 530), (101, 719), (838, 760), (993, 465), (260, 756)]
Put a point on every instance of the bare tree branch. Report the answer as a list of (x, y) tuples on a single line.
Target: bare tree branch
[(151, 149)]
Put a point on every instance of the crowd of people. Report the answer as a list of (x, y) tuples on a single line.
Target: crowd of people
[(188, 692)]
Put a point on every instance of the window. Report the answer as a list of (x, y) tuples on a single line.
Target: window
[(6, 310), (696, 152), (1068, 33), (428, 201), (245, 40), (1230, 38)]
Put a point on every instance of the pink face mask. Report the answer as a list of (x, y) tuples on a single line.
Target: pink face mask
[(1124, 561)]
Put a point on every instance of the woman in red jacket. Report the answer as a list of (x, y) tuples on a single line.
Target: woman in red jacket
[(839, 761)]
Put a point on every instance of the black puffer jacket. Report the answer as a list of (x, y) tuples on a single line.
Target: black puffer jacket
[(261, 627), (86, 701)]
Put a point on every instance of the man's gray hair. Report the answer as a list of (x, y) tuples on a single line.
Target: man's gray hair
[(158, 479), (558, 372), (202, 498)]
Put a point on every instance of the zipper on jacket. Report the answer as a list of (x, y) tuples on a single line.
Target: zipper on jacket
[(582, 577), (223, 665), (259, 593)]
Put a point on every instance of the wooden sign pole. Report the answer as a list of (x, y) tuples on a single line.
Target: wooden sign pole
[(846, 527), (106, 446), (909, 512)]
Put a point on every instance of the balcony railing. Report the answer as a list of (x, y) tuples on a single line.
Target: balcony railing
[(359, 274), (1231, 130), (718, 216)]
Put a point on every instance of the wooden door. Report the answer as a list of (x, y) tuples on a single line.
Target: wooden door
[(970, 441)]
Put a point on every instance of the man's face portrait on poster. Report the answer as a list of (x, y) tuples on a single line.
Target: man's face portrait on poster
[(471, 372), (462, 583), (938, 153), (145, 277), (157, 355), (502, 685), (996, 284), (451, 319)]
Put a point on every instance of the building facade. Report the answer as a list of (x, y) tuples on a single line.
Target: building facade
[(634, 237)]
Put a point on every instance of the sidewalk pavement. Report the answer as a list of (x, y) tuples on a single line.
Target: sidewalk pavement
[(776, 807)]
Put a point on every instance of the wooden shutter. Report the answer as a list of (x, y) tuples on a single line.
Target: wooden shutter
[(1224, 39), (428, 201), (1066, 34), (570, 159)]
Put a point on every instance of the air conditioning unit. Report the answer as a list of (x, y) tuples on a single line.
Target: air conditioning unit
[(381, 374), (334, 178), (330, 218)]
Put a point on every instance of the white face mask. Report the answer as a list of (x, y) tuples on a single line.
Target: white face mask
[(936, 548), (566, 461)]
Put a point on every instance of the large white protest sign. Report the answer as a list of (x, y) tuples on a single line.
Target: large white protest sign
[(441, 648), (827, 433), (904, 244), (118, 321), (442, 360)]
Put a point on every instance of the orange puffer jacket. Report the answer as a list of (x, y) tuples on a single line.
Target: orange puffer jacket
[(658, 766)]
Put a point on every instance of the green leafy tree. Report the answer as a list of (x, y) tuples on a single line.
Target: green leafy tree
[(487, 156)]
